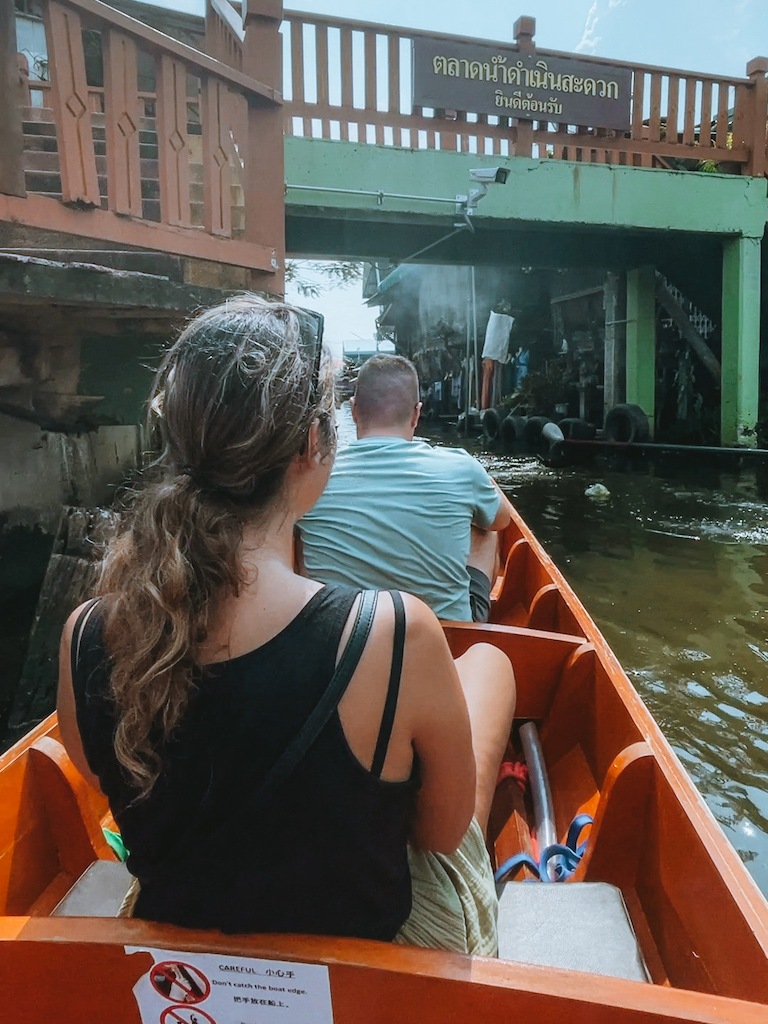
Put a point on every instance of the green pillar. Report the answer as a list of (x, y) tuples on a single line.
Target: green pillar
[(741, 341), (641, 340)]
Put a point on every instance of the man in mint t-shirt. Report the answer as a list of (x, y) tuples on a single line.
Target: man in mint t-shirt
[(400, 514)]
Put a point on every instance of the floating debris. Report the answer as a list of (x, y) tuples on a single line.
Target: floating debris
[(597, 491)]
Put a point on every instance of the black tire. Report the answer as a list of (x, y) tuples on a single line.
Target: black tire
[(627, 423), (575, 429), (533, 427), (492, 424), (511, 430)]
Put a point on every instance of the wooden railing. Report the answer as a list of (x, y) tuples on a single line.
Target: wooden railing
[(140, 140), (351, 80)]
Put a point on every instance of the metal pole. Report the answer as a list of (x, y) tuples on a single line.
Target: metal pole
[(474, 335), (468, 388)]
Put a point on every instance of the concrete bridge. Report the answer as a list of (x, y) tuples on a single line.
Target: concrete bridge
[(221, 158)]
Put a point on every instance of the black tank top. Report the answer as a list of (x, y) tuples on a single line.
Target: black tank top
[(324, 852)]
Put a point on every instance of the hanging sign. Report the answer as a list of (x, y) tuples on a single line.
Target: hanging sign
[(486, 79), (205, 988)]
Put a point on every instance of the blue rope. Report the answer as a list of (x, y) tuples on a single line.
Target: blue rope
[(570, 854)]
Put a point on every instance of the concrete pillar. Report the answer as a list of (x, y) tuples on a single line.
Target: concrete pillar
[(641, 340), (741, 341)]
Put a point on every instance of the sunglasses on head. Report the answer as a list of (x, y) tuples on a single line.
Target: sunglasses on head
[(311, 325)]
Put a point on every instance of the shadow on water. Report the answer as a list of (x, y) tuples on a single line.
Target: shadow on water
[(673, 567)]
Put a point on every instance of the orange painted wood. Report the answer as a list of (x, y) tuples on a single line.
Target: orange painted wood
[(654, 129), (172, 142), (122, 118), (613, 850), (671, 131), (216, 109), (297, 71), (345, 43), (638, 89), (14, 78), (43, 212), (705, 118), (89, 974), (71, 107), (723, 109), (393, 53), (689, 133), (158, 43)]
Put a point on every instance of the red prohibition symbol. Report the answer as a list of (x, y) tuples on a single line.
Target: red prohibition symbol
[(180, 983), (185, 1015)]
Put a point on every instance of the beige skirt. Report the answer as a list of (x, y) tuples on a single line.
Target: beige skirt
[(454, 899)]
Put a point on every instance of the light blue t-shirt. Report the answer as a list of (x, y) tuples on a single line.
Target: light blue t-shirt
[(396, 515)]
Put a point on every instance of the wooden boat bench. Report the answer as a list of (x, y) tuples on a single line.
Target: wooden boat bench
[(581, 926)]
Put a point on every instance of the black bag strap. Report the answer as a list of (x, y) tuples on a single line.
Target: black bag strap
[(327, 704), (77, 635), (393, 691)]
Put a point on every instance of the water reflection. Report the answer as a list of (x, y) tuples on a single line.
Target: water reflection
[(673, 567)]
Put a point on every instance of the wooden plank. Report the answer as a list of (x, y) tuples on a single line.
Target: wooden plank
[(11, 131), (297, 72), (370, 71), (394, 73), (673, 100), (217, 153), (347, 73), (64, 35), (654, 122), (689, 126), (172, 142), (705, 119), (157, 43), (638, 88), (322, 71), (122, 118), (42, 212), (723, 109)]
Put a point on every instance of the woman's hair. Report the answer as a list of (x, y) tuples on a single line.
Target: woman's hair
[(231, 407)]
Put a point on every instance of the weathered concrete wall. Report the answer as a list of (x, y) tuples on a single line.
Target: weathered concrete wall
[(40, 471), (543, 192)]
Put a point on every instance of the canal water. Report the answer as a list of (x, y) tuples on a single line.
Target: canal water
[(673, 567)]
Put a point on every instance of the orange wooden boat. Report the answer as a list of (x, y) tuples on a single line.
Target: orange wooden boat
[(699, 925)]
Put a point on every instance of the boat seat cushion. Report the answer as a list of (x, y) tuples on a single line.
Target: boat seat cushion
[(98, 892), (579, 926)]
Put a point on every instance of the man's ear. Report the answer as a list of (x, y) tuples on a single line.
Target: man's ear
[(416, 415), (353, 408)]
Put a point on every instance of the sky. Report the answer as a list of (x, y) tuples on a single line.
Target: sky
[(697, 35), (718, 36)]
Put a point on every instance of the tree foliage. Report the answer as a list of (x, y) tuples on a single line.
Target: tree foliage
[(338, 274)]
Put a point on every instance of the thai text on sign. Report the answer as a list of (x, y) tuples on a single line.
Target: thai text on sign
[(491, 80)]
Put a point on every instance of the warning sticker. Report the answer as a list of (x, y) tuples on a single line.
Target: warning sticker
[(204, 988)]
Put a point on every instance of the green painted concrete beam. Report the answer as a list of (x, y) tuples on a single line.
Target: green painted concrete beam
[(537, 192), (741, 341), (641, 340)]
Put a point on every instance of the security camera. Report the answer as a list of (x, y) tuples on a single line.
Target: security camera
[(484, 176), (490, 175)]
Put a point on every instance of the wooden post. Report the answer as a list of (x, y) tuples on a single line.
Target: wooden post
[(525, 29), (122, 118), (265, 168), (71, 106), (11, 131), (756, 70)]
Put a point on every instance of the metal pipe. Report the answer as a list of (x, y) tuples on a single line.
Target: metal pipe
[(652, 447), (543, 810), (367, 192)]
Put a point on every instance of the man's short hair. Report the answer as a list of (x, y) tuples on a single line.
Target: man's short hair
[(387, 390)]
